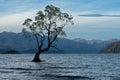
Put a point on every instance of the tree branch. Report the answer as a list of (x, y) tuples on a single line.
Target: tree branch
[(37, 40), (56, 48)]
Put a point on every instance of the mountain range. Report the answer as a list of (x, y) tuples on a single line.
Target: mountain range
[(22, 44)]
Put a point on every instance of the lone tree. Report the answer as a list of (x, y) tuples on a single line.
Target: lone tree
[(47, 26)]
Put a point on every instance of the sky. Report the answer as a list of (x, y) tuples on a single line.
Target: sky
[(93, 19)]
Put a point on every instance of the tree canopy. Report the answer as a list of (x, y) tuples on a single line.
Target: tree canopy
[(47, 25)]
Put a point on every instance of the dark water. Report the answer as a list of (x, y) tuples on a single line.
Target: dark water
[(60, 67)]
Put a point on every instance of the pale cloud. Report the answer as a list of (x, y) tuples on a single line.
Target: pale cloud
[(13, 22), (94, 27), (96, 21)]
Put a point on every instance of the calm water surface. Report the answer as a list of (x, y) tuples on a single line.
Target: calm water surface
[(60, 67)]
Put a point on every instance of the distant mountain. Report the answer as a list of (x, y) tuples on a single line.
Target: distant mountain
[(112, 48), (14, 41), (18, 42), (93, 41), (88, 41), (95, 45)]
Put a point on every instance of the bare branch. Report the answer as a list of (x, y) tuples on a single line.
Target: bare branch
[(37, 40), (55, 47)]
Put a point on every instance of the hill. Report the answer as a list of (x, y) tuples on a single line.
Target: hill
[(18, 42), (112, 48)]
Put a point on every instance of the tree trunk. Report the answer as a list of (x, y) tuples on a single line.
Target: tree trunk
[(36, 57)]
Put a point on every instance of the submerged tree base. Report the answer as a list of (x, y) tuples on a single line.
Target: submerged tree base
[(37, 60)]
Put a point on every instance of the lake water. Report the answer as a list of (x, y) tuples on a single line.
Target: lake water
[(60, 67)]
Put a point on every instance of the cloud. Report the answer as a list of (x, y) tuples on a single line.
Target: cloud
[(98, 15), (94, 28), (17, 6), (86, 22), (13, 22)]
